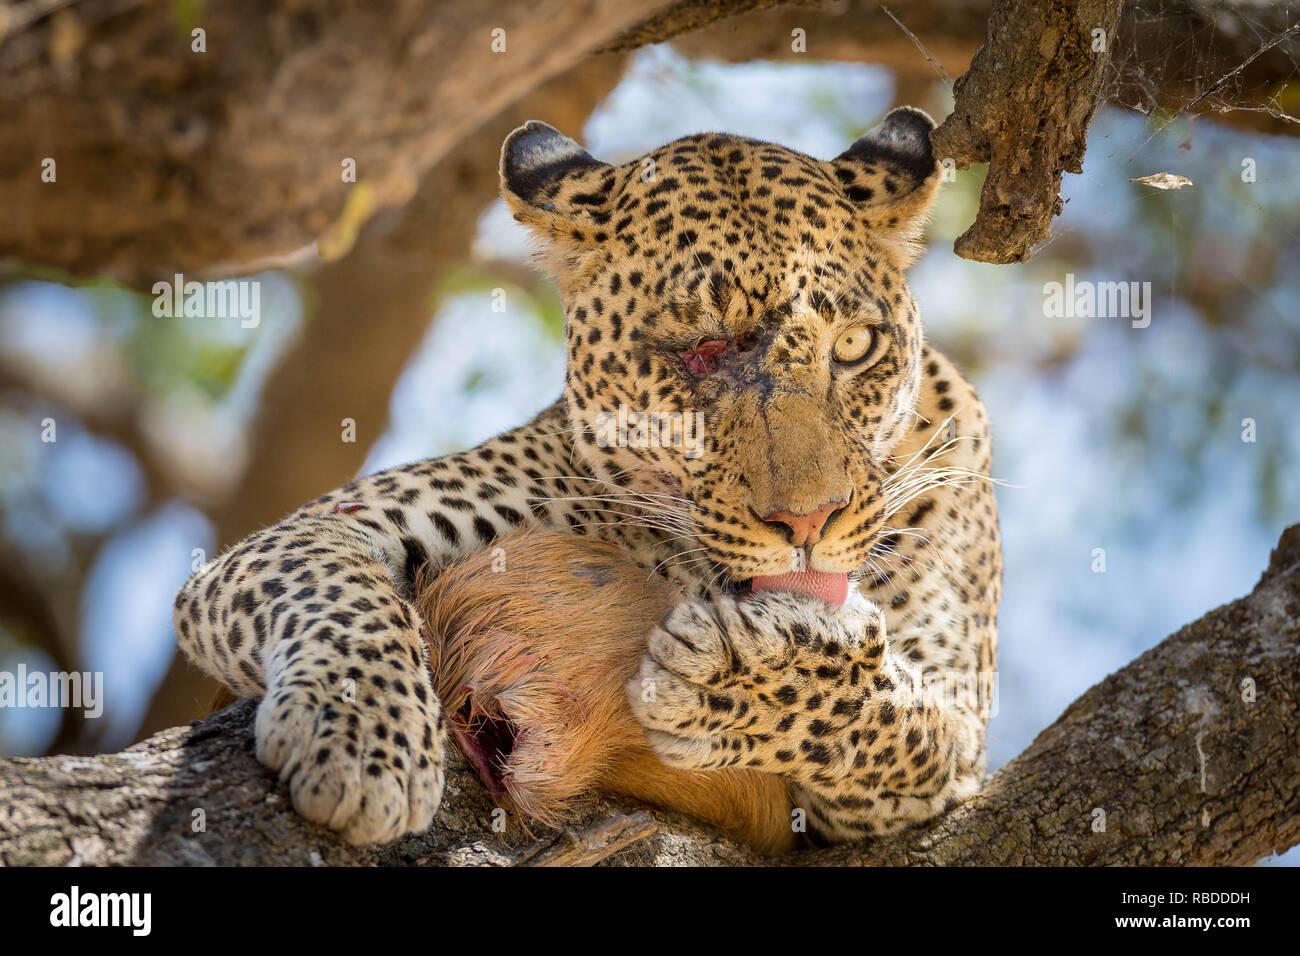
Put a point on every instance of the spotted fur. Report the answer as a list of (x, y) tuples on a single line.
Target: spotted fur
[(711, 278)]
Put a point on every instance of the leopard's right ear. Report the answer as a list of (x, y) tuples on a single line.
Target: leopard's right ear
[(554, 185)]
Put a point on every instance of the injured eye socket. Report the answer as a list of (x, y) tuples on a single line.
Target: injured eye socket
[(705, 357)]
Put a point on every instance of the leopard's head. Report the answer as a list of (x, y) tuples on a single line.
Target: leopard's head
[(740, 334)]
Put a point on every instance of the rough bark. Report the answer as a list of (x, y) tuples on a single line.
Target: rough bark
[(1024, 107), (170, 160), (223, 162), (1025, 103), (1191, 751), (1224, 58)]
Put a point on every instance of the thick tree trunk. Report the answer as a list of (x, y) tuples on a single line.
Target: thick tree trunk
[(228, 159), (1189, 755), (373, 306)]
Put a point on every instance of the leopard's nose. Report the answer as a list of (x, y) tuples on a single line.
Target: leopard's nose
[(805, 529)]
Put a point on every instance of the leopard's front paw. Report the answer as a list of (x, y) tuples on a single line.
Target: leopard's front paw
[(359, 743), (776, 682)]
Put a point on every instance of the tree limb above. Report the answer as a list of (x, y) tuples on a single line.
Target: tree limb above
[(228, 159)]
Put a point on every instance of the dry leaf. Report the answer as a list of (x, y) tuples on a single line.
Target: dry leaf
[(1164, 181)]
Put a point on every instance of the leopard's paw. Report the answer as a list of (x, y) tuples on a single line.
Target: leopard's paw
[(765, 682), (360, 747)]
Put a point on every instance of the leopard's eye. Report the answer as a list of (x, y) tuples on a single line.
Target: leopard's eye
[(854, 344)]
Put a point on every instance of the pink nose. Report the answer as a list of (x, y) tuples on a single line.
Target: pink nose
[(805, 529)]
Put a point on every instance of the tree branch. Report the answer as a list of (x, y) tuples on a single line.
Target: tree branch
[(1187, 755), (1024, 107), (228, 160)]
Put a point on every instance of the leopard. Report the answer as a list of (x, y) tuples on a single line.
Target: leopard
[(829, 522)]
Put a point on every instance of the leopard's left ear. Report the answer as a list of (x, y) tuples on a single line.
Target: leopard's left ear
[(891, 174), (553, 184)]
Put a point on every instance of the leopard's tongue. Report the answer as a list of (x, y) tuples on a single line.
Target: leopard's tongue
[(831, 588)]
